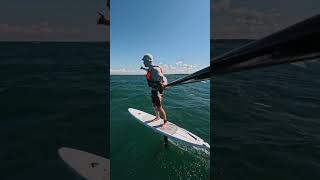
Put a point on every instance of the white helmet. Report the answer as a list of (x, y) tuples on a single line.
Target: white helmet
[(148, 57)]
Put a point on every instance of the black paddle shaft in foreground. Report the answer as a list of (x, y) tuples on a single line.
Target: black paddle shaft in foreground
[(295, 43)]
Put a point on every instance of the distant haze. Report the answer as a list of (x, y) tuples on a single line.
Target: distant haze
[(253, 19), (44, 20)]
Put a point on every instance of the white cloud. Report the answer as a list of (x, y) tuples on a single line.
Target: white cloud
[(122, 71), (179, 62), (175, 68), (180, 68)]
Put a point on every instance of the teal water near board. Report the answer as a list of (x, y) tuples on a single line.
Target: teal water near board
[(137, 152), (266, 121), (51, 95)]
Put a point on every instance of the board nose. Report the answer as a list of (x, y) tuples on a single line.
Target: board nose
[(130, 110)]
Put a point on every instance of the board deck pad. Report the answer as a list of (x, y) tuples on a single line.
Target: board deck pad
[(86, 165), (171, 128), (172, 131)]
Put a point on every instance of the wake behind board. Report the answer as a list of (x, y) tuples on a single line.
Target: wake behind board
[(86, 165), (172, 131)]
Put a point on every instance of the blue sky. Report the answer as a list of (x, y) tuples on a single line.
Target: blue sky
[(176, 32), (47, 20), (253, 19)]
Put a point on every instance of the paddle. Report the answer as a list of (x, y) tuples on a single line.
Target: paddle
[(295, 43)]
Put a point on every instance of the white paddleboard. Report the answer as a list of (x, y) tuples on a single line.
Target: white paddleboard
[(172, 131), (86, 165)]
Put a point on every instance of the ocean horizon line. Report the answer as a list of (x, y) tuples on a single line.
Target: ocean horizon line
[(144, 74)]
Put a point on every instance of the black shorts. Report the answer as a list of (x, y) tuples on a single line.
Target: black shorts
[(157, 98)]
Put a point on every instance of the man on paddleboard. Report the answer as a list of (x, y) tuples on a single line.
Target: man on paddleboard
[(157, 82)]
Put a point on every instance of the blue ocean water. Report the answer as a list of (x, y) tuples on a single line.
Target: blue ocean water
[(51, 95), (137, 152), (266, 121)]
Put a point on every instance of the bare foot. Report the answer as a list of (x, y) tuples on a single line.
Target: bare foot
[(164, 125)]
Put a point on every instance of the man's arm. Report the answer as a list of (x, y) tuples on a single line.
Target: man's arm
[(163, 79), (146, 69)]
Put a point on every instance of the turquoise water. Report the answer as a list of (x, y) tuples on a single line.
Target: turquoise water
[(137, 152)]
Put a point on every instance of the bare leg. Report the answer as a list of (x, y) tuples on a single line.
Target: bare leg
[(164, 115), (156, 110)]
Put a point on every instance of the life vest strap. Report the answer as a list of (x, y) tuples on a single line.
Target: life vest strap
[(148, 75)]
